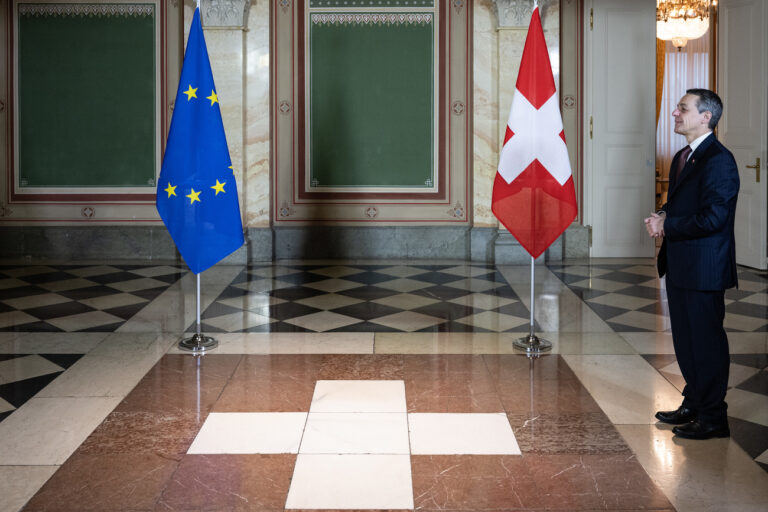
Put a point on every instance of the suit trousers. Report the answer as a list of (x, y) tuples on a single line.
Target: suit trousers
[(701, 348)]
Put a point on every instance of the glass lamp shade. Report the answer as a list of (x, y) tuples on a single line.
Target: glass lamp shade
[(679, 31)]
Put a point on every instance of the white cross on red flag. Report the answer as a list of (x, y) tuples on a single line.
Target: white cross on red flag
[(533, 194)]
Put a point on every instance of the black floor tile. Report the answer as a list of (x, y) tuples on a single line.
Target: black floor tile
[(605, 312), (365, 327), (644, 292), (587, 293), (569, 278), (295, 293), (114, 277), (758, 383), (752, 437), (218, 309), (48, 277), (453, 327), (747, 309), (126, 312), (32, 327), (287, 310), (59, 310), (368, 293), (503, 291), (149, 294), (627, 328), (759, 361), (447, 310), (279, 327), (659, 361), (300, 278), (63, 360), (370, 278), (437, 278), (366, 310), (90, 292), (21, 291), (16, 393), (515, 309), (169, 278), (657, 308), (442, 292), (103, 328)]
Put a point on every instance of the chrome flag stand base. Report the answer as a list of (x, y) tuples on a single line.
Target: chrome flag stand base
[(532, 344), (198, 343)]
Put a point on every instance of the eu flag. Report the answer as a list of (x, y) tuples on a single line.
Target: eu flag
[(197, 193)]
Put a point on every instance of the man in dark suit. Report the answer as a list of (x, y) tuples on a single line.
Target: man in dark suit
[(698, 257)]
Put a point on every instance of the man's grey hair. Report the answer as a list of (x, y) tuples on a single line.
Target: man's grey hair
[(708, 101)]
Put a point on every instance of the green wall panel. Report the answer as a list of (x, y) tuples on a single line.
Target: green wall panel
[(86, 100), (371, 104)]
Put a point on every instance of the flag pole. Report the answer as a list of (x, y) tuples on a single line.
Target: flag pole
[(532, 344), (198, 343)]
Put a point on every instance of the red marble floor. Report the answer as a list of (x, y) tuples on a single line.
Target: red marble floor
[(571, 456)]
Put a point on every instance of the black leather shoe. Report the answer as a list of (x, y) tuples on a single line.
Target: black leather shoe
[(698, 430), (680, 416)]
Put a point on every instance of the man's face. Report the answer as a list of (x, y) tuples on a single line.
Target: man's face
[(688, 121)]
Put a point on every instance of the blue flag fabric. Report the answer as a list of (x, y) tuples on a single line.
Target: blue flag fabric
[(197, 193)]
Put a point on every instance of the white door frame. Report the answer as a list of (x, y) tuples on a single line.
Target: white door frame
[(607, 139)]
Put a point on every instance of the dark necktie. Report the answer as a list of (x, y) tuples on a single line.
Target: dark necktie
[(681, 162)]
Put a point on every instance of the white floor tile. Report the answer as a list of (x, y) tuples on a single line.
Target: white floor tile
[(351, 482), (347, 433), (36, 301), (10, 318), (52, 342), (19, 483), (453, 433), (250, 432), (650, 342), (736, 374), (84, 321), (747, 406), (626, 387), (5, 406), (358, 396), (45, 431), (699, 476), (26, 367)]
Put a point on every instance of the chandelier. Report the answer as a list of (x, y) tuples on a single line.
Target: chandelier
[(681, 20)]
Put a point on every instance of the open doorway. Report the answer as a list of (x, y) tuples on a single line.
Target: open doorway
[(678, 69)]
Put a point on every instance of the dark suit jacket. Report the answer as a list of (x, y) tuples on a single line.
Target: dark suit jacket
[(699, 249)]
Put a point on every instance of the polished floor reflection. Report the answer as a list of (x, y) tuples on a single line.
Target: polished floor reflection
[(365, 385)]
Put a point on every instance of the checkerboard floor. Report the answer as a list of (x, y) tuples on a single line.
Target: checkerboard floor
[(331, 378), (368, 298), (631, 297), (59, 298), (22, 376)]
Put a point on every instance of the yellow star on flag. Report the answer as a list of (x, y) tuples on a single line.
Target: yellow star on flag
[(170, 189), (194, 196), (191, 93), (219, 187), (213, 97), (232, 168)]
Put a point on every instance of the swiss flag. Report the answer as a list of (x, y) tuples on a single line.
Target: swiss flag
[(533, 194)]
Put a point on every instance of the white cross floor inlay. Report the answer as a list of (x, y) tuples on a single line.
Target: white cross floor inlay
[(354, 444)]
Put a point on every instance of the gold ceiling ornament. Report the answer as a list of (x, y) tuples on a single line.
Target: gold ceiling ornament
[(681, 20)]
